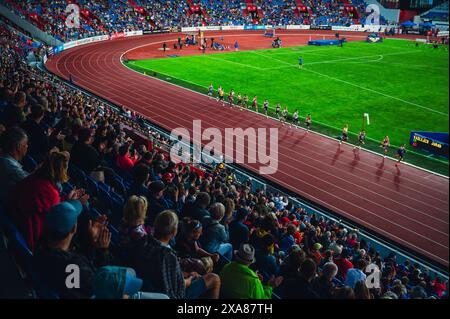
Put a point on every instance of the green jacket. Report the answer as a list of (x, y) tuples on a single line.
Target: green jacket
[(240, 282)]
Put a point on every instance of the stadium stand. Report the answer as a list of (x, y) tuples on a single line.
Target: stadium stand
[(69, 162), (438, 13), (108, 17)]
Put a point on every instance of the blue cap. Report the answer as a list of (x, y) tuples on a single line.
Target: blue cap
[(112, 282), (132, 284), (62, 217)]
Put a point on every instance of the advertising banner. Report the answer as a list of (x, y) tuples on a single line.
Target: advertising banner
[(434, 142)]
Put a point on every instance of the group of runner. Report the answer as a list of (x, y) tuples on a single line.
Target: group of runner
[(243, 102), (385, 143)]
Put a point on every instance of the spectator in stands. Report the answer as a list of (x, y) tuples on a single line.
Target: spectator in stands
[(344, 293), (266, 262), (343, 264), (112, 282), (188, 245), (216, 236), (14, 147), (240, 282), (156, 202), (15, 114), (56, 255), (141, 175), (325, 284), (125, 159), (199, 210), (157, 264), (83, 154), (291, 266), (301, 287), (35, 195), (361, 290), (134, 213), (39, 144), (239, 232), (356, 274)]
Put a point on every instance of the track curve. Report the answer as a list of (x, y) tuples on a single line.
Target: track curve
[(407, 205)]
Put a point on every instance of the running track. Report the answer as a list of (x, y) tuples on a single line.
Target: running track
[(407, 205)]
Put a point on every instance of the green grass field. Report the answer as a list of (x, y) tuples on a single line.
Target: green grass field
[(401, 86)]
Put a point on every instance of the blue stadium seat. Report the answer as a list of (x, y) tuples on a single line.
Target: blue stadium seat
[(29, 164), (24, 257), (104, 186), (77, 175), (92, 186)]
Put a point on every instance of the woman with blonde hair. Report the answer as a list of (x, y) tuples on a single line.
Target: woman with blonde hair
[(134, 214), (36, 194)]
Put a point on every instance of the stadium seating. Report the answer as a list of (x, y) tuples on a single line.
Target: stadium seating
[(108, 17), (313, 238)]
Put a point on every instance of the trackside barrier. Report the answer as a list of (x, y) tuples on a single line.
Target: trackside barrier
[(72, 44)]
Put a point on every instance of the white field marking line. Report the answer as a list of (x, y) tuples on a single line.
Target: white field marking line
[(377, 92), (314, 132), (381, 57), (233, 62), (335, 60), (417, 66), (356, 85)]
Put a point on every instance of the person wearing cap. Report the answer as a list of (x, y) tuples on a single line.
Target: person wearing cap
[(241, 282), (112, 282), (55, 255), (239, 232)]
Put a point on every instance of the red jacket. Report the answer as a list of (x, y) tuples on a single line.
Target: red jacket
[(125, 162), (343, 265), (31, 199)]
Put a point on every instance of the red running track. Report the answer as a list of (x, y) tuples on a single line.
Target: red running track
[(408, 206)]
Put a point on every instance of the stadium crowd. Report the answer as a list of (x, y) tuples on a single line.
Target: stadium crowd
[(108, 17), (90, 185)]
